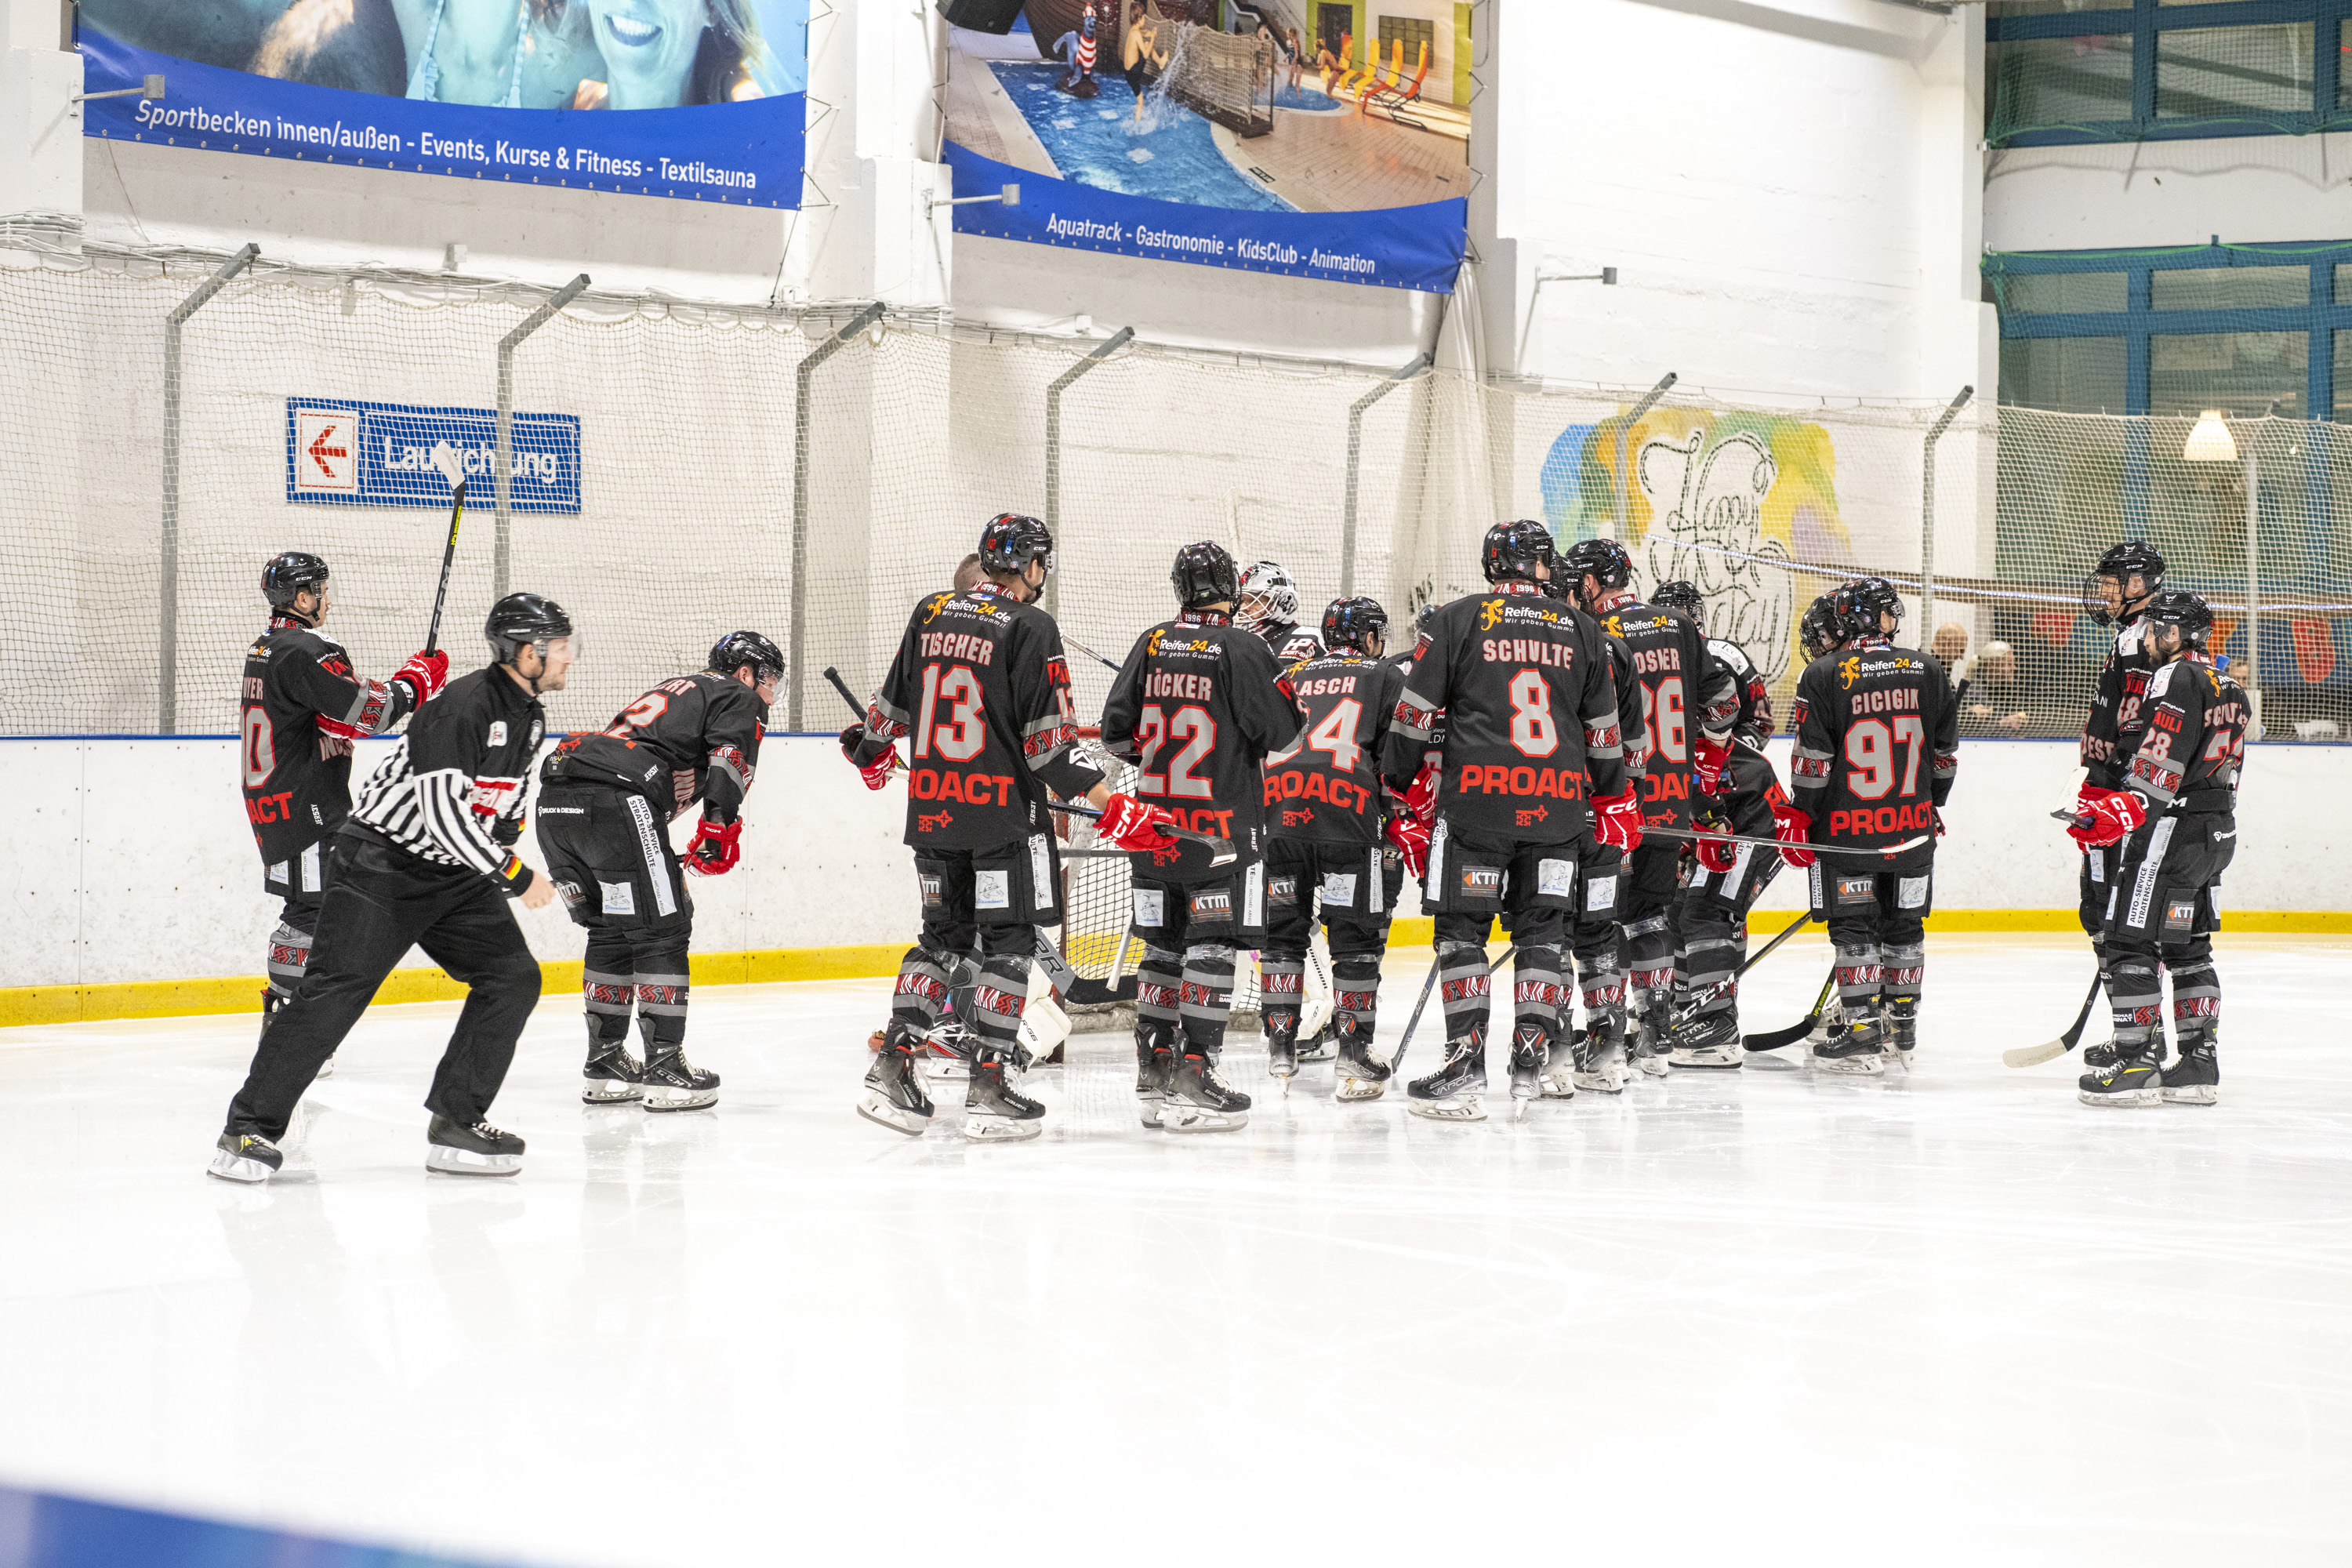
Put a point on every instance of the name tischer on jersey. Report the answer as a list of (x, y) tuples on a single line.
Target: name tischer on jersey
[(958, 644)]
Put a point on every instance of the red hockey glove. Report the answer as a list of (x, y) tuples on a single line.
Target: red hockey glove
[(713, 851), (1714, 852), (1617, 821), (1420, 800), (1795, 830), (425, 675), (2114, 813), (1708, 759), (1132, 825), (1411, 837), (876, 772)]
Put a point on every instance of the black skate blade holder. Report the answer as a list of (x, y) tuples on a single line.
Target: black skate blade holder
[(1221, 850)]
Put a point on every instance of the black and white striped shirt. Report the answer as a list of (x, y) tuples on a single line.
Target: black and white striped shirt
[(457, 773)]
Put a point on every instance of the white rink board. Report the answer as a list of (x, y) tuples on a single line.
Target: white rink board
[(135, 861), (1760, 1317)]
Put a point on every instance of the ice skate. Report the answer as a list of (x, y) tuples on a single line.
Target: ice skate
[(947, 1049), (673, 1083), (994, 1111), (1529, 1055), (2134, 1080), (1360, 1075), (1902, 1035), (480, 1150), (2099, 1057), (1557, 1079), (1709, 1040), (1282, 1050), (1455, 1091), (1856, 1050), (1830, 1024), (1153, 1062), (1601, 1064), (244, 1157), (1200, 1101), (1319, 1045), (1648, 1043), (2195, 1078), (894, 1091), (612, 1077)]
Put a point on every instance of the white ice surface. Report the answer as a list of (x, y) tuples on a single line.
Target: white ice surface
[(1768, 1316)]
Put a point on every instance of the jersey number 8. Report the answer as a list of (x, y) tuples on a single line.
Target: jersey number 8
[(1533, 730)]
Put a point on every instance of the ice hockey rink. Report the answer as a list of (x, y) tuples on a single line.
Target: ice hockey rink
[(1773, 1314)]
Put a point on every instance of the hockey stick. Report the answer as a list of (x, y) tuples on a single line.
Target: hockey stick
[(1397, 1061), (1221, 850), (447, 461), (1797, 1031), (1719, 987), (1090, 653), (1904, 847), (2028, 1056), (847, 695)]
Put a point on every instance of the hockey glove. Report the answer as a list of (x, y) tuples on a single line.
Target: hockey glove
[(1617, 821), (425, 675), (876, 772), (1132, 825), (1795, 830), (1420, 800), (1708, 759), (506, 832), (2114, 814), (713, 851), (1411, 837), (1714, 854)]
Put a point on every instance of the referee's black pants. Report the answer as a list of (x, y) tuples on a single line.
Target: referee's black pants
[(380, 900)]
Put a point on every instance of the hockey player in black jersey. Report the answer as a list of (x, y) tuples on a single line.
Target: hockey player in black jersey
[(1876, 746), (1197, 707), (981, 689), (1722, 880), (1533, 767), (2175, 819), (1688, 703), (424, 860), (2117, 593), (1268, 606), (301, 706), (606, 801), (1324, 809)]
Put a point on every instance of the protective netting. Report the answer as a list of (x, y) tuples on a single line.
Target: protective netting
[(2064, 71), (1224, 77), (679, 522)]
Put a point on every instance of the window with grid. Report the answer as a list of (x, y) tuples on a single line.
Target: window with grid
[(1414, 33), (2152, 69), (2241, 328)]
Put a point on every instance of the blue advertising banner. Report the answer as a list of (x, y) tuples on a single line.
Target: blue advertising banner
[(343, 452), (1131, 126), (1397, 247), (717, 136)]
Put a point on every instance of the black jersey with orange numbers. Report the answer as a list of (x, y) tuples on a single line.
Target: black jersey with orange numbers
[(1197, 706), (1878, 739), (300, 706), (1686, 692), (694, 738), (1532, 730), (2191, 740), (981, 689), (2112, 728), (1325, 787)]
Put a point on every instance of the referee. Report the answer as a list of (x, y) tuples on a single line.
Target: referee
[(424, 859)]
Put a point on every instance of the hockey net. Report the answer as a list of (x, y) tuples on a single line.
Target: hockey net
[(1224, 77), (681, 520)]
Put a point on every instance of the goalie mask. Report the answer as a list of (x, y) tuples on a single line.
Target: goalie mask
[(1268, 598)]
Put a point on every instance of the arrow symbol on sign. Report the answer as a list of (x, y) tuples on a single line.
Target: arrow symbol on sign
[(318, 451)]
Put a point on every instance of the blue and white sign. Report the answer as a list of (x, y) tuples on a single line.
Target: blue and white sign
[(343, 452), (590, 107)]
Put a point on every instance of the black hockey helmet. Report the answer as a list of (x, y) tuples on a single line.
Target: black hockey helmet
[(736, 651), (1682, 596), (1012, 541), (1817, 632), (2179, 608), (1204, 574), (524, 620), (1353, 622), (292, 572), (1513, 550), (1276, 594), (1859, 605), (2122, 562), (1426, 617), (1603, 559)]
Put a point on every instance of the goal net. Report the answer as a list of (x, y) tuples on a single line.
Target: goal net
[(1225, 77)]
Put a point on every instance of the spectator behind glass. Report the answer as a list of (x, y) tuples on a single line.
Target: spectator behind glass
[(1996, 702), (1949, 646)]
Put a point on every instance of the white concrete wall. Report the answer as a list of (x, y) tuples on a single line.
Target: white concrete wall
[(2246, 189), (134, 862)]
